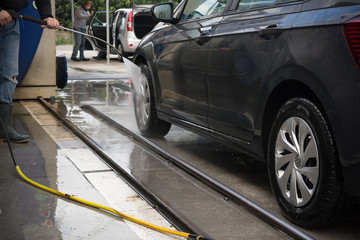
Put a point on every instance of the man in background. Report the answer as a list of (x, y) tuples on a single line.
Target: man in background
[(82, 15)]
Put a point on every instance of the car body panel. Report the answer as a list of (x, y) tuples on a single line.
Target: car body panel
[(239, 63), (336, 82), (184, 85)]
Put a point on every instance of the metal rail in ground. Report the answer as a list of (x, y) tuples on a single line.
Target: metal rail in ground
[(270, 218), (156, 203), (262, 213)]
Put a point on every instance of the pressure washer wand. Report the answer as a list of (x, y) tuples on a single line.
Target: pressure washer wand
[(17, 15)]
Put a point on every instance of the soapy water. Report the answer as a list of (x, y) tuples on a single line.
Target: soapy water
[(135, 74)]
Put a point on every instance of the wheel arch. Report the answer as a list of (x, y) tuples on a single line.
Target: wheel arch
[(288, 82), (139, 58)]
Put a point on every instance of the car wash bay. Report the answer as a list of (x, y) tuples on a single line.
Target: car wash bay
[(57, 159)]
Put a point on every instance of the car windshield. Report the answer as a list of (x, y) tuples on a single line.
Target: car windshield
[(199, 8)]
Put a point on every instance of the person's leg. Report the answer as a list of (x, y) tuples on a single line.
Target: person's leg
[(82, 45), (77, 43), (9, 56)]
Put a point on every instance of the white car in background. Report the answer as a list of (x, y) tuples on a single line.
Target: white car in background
[(121, 32)]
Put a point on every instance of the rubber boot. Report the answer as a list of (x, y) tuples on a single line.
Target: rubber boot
[(6, 116)]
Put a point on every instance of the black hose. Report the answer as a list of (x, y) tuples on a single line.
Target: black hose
[(8, 142)]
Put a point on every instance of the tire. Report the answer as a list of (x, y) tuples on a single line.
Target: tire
[(303, 166), (147, 121)]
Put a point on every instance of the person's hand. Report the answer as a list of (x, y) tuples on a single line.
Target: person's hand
[(52, 23), (5, 17)]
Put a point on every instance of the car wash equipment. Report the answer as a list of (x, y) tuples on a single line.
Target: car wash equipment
[(76, 199)]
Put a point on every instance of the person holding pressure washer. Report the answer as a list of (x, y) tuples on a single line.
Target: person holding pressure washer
[(82, 15), (9, 55)]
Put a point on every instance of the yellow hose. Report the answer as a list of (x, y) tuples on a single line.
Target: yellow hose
[(95, 205)]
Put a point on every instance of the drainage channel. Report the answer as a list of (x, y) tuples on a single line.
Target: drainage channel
[(255, 209), (156, 203)]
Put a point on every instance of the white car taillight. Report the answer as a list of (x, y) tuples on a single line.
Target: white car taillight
[(129, 22)]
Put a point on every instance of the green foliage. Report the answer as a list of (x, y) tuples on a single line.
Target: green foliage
[(63, 38), (63, 7)]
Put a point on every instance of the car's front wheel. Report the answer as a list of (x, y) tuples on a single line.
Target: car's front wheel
[(303, 166), (145, 113)]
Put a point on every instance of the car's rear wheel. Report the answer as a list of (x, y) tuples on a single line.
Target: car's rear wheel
[(303, 166), (145, 113), (123, 54)]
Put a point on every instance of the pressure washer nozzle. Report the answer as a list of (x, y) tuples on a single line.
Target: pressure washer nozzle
[(196, 237)]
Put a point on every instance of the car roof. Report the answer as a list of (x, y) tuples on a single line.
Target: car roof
[(123, 9)]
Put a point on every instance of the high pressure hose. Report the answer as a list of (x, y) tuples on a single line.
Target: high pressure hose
[(71, 197), (95, 205)]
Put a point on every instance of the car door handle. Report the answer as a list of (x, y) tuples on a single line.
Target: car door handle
[(270, 32), (202, 39)]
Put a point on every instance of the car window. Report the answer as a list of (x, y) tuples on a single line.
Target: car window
[(245, 4), (100, 19), (200, 8), (118, 20), (122, 21)]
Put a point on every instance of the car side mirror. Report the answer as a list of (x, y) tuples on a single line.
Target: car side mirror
[(163, 12)]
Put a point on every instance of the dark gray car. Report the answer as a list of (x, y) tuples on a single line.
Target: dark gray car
[(276, 79)]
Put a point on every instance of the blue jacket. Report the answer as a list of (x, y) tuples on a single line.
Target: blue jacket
[(44, 6)]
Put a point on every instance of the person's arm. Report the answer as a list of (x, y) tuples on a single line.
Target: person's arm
[(44, 8)]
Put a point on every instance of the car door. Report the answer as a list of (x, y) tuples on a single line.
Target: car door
[(98, 28), (117, 16), (241, 54), (122, 26), (181, 51)]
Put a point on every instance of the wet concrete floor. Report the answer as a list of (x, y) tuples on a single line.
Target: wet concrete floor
[(238, 171), (192, 200), (29, 213), (56, 159)]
